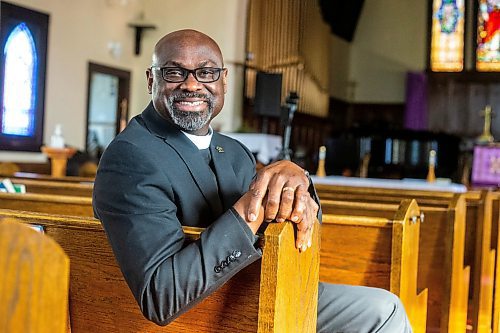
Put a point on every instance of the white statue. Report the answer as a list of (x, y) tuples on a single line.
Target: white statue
[(57, 140)]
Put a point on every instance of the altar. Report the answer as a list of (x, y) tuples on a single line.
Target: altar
[(266, 147), (402, 184), (486, 165)]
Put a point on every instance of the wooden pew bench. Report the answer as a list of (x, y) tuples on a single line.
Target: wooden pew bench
[(377, 252), (276, 294), (34, 281), (441, 249), (47, 203), (39, 176), (481, 237), (56, 187)]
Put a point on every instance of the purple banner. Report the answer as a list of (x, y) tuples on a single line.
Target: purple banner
[(416, 101)]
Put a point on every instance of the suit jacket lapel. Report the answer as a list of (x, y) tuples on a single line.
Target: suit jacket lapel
[(189, 153), (228, 184)]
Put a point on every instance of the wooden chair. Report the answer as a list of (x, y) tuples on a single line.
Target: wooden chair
[(277, 294), (377, 252), (34, 281)]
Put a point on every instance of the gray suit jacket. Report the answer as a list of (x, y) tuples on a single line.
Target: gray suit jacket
[(151, 180)]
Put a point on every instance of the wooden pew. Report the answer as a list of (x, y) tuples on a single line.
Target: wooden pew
[(276, 294), (56, 187), (377, 252), (39, 176), (34, 281), (480, 245), (496, 296), (47, 203), (441, 251)]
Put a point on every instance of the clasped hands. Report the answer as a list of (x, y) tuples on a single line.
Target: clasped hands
[(279, 192)]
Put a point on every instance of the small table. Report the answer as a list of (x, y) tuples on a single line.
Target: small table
[(266, 146), (59, 159)]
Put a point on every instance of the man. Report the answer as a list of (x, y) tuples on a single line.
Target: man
[(168, 169)]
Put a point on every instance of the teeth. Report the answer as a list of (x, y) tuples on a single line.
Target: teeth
[(191, 103)]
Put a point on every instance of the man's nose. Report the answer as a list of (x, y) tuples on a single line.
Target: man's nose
[(191, 83)]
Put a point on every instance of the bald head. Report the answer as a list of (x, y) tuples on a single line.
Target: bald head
[(183, 39)]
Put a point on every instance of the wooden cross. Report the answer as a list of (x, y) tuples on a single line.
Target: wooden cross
[(486, 136)]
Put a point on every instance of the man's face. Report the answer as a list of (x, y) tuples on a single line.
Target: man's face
[(189, 104)]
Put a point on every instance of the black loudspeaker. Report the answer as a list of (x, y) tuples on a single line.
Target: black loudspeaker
[(268, 94)]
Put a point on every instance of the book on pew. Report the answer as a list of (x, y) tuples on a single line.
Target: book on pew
[(6, 185)]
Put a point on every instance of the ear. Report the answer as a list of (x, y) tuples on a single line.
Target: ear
[(149, 78), (224, 80)]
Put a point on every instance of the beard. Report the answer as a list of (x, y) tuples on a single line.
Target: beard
[(190, 120)]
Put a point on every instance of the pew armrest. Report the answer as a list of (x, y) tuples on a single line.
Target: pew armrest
[(34, 288), (289, 287)]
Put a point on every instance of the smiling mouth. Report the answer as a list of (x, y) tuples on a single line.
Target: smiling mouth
[(190, 103), (198, 105)]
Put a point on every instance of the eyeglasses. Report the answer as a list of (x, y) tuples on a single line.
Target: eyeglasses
[(180, 74)]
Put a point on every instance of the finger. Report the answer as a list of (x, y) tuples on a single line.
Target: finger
[(312, 212), (309, 242), (274, 193), (307, 224), (286, 203), (300, 203), (303, 233), (314, 209), (312, 219), (258, 190)]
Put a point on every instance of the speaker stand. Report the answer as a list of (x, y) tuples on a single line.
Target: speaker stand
[(264, 126), (291, 105)]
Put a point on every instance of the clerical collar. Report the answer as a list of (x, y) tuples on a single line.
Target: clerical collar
[(201, 141)]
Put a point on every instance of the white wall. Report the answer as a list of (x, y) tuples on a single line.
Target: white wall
[(340, 53), (390, 39), (79, 32)]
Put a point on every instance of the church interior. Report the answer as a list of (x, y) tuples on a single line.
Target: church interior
[(391, 106)]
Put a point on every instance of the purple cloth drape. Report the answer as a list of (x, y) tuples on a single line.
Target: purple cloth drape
[(416, 101)]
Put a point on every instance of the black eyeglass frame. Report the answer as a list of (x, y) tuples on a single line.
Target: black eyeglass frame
[(189, 71)]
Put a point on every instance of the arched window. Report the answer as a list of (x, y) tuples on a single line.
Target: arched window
[(19, 94), (23, 54)]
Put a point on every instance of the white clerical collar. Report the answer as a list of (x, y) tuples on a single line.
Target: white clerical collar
[(201, 141)]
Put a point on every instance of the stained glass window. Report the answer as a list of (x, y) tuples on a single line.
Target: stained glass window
[(23, 58), (488, 35), (447, 41), (19, 83)]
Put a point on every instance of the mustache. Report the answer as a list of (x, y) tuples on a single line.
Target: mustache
[(182, 95)]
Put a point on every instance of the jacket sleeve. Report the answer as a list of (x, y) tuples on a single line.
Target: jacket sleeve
[(137, 209), (314, 194)]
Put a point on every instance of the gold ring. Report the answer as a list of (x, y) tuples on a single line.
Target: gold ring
[(288, 188)]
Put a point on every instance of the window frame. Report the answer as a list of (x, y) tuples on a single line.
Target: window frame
[(38, 24)]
